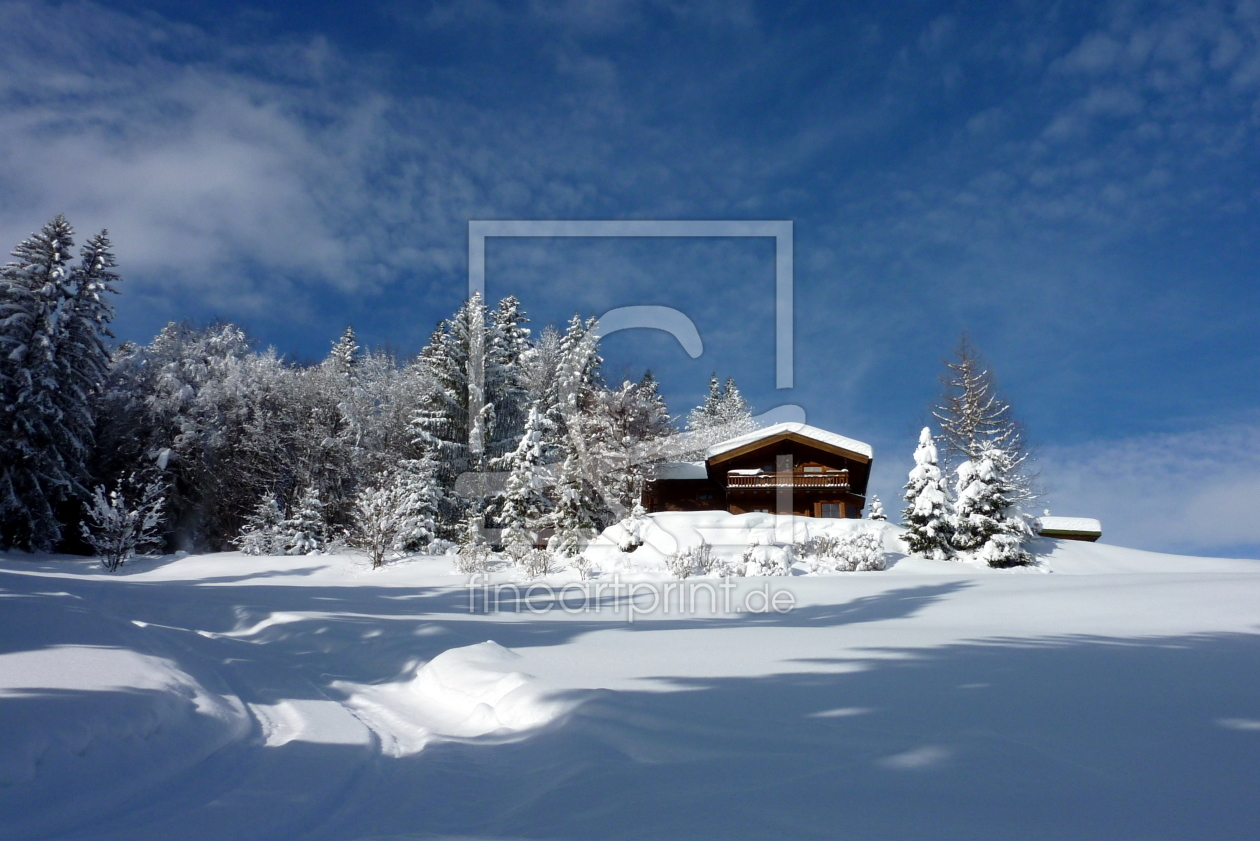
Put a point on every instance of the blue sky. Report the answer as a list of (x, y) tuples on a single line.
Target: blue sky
[(1075, 184)]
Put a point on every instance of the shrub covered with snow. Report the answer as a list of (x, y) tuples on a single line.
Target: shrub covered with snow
[(857, 551), (697, 560), (537, 562), (125, 521), (767, 559)]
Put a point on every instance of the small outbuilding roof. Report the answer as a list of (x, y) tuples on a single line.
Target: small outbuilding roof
[(1069, 525), (802, 430)]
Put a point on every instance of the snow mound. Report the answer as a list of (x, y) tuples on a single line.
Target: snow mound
[(84, 701), (463, 693), (87, 725)]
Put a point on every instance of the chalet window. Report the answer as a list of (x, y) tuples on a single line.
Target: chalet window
[(831, 509), (706, 494), (853, 512), (813, 469)]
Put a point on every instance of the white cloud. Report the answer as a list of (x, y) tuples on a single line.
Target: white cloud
[(1195, 491), (232, 177)]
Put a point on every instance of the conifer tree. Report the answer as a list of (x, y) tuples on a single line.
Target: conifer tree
[(261, 534), (876, 511), (525, 503), (723, 415), (345, 357), (973, 415), (572, 518), (305, 531), (988, 521), (52, 361), (418, 497), (927, 516), (470, 413)]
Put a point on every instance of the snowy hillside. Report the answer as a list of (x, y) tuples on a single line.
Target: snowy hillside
[(1106, 693)]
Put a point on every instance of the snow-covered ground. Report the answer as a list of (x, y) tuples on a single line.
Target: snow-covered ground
[(1107, 694)]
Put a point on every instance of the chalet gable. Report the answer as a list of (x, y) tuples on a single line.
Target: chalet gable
[(810, 436)]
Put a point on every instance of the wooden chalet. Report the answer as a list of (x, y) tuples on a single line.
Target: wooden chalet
[(786, 467)]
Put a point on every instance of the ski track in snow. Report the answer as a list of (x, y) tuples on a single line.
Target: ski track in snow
[(223, 696)]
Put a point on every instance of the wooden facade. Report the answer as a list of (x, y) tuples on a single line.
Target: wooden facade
[(790, 467)]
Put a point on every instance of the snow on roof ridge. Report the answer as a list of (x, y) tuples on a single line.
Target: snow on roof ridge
[(681, 470), (850, 444), (1085, 524)]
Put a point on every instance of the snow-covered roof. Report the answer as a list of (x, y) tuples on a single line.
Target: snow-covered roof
[(802, 429), (682, 470), (1086, 525)]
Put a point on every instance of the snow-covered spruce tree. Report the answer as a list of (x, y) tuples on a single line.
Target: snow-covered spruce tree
[(52, 360), (124, 521), (524, 504), (507, 341), (344, 357), (876, 511), (574, 516), (577, 383), (539, 367), (418, 497), (973, 415), (927, 515), (261, 534), (987, 521), (577, 377), (464, 439), (305, 531), (723, 415)]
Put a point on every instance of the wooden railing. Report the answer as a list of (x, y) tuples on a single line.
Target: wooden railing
[(839, 479)]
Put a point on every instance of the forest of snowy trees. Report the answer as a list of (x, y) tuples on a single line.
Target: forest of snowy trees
[(196, 440), (490, 436)]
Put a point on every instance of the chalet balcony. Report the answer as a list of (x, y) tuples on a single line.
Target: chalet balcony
[(837, 479)]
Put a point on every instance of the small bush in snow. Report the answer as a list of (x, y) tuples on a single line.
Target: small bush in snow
[(859, 551), (632, 538), (377, 523), (761, 559), (584, 566), (442, 546), (698, 560), (118, 525), (680, 564), (538, 562), (471, 559), (473, 554)]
